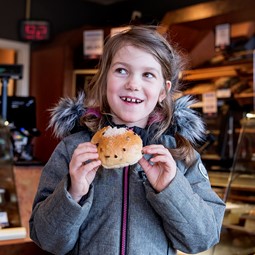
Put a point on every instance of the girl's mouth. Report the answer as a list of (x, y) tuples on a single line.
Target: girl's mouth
[(131, 100)]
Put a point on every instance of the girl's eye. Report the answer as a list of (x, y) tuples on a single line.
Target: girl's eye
[(149, 75), (121, 70)]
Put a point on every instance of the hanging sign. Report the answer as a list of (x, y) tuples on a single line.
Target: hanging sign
[(222, 36), (93, 43)]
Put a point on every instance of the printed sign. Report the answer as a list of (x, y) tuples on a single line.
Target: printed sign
[(222, 36), (93, 43)]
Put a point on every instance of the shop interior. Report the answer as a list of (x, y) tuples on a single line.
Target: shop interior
[(218, 37)]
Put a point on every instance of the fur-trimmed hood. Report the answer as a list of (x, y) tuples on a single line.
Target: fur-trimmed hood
[(65, 117)]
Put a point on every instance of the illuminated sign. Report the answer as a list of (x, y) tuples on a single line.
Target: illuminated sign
[(34, 30)]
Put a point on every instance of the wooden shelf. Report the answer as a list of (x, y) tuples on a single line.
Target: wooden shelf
[(244, 182), (215, 72), (245, 98), (15, 241), (239, 228)]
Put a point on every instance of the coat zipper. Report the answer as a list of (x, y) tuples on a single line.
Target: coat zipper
[(124, 212)]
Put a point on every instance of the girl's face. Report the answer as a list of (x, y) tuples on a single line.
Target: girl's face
[(134, 86)]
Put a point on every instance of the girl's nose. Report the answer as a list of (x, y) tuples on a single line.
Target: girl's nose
[(133, 83)]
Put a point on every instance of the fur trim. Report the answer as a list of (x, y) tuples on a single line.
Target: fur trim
[(186, 121), (65, 116)]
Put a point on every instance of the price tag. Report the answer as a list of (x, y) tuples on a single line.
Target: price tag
[(209, 103), (223, 93)]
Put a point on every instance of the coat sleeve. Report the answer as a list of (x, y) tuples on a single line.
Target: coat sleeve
[(191, 211), (56, 218)]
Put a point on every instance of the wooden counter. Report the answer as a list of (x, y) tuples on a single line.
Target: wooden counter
[(26, 179)]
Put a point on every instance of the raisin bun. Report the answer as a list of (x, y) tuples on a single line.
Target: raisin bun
[(117, 147)]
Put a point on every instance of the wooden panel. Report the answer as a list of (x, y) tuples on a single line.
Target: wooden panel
[(211, 13), (186, 37), (51, 78), (47, 86)]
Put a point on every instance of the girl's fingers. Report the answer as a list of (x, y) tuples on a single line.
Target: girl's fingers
[(160, 158), (154, 148), (84, 153), (85, 148), (144, 163), (157, 150), (83, 167), (91, 165), (86, 158)]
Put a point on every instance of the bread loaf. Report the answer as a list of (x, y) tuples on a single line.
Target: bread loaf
[(117, 147)]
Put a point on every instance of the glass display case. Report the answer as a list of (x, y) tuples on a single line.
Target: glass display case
[(238, 232), (9, 209), (243, 167)]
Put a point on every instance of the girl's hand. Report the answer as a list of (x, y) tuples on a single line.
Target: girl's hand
[(161, 168), (82, 169)]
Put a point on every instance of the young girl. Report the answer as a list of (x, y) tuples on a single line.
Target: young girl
[(161, 204)]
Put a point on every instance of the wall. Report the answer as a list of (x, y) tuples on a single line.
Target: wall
[(66, 15)]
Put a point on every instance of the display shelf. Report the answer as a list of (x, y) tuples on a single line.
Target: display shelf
[(244, 182), (230, 76), (239, 228), (26, 182), (231, 83), (244, 158), (13, 233), (10, 215), (207, 73), (241, 178), (238, 217)]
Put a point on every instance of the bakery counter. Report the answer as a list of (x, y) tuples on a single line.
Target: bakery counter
[(26, 181)]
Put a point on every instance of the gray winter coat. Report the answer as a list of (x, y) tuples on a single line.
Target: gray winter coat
[(186, 216)]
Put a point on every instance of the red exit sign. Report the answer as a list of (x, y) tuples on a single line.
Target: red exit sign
[(34, 30)]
